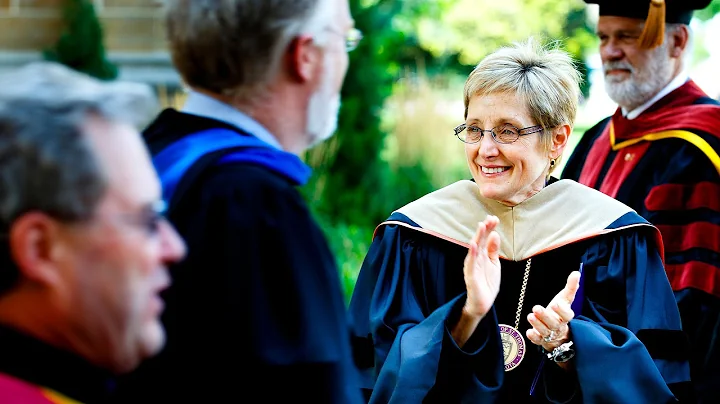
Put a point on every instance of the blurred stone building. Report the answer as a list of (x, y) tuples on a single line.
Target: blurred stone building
[(134, 37)]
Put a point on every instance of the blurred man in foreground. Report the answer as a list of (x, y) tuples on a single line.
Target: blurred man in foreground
[(84, 247)]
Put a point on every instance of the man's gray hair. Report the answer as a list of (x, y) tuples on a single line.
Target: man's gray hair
[(46, 161), (235, 47)]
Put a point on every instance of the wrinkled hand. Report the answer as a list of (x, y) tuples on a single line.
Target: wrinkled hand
[(550, 325), (482, 269)]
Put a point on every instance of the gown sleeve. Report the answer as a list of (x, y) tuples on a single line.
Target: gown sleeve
[(417, 358), (685, 205), (628, 339)]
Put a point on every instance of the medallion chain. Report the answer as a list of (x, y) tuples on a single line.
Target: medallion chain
[(522, 294)]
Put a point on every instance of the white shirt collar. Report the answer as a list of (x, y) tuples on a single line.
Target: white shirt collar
[(208, 107), (678, 81)]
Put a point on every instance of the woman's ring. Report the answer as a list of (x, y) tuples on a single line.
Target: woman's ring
[(550, 337)]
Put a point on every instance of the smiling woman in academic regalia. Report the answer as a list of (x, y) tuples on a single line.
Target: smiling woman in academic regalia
[(516, 287)]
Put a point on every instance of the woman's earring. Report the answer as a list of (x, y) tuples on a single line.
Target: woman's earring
[(552, 163)]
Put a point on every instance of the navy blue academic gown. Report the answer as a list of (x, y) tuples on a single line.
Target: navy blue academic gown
[(411, 289), (255, 311), (674, 184)]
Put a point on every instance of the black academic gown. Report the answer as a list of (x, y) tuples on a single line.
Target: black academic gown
[(34, 372), (411, 289), (672, 183), (256, 309)]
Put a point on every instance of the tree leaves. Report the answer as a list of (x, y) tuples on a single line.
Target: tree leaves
[(80, 46), (472, 29)]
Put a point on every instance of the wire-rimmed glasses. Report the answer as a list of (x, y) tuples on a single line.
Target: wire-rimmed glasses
[(352, 38), (148, 219), (503, 134)]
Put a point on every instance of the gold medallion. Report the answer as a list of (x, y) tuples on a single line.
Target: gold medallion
[(513, 345)]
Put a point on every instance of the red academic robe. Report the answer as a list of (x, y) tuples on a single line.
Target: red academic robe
[(33, 371), (16, 391), (665, 165)]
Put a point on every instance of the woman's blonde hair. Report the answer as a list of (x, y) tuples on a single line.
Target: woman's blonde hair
[(543, 77)]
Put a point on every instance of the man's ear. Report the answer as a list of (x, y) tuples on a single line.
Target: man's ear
[(303, 58), (679, 41), (560, 136), (34, 247)]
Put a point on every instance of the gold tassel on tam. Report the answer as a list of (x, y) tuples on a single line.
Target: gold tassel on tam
[(654, 31)]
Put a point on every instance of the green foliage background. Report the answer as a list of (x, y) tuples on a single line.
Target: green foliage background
[(400, 99), (709, 11), (81, 43)]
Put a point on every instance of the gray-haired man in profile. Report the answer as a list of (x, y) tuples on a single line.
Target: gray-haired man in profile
[(256, 309), (84, 249)]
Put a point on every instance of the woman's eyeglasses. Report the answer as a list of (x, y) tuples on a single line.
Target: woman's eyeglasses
[(503, 134)]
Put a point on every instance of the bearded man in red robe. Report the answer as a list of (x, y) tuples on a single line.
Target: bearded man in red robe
[(658, 153)]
